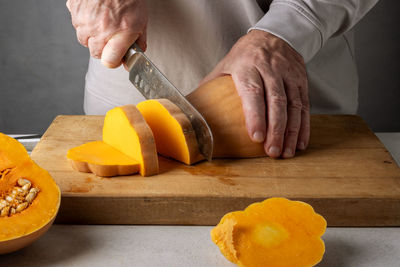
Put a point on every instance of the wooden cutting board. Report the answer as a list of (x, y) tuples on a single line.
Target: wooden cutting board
[(346, 174)]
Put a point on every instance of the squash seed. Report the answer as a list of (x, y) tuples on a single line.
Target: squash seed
[(31, 195), (19, 198), (5, 211), (22, 182), (21, 207), (26, 187)]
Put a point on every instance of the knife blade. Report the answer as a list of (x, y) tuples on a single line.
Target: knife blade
[(152, 84)]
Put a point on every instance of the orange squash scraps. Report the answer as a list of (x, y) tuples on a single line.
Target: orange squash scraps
[(275, 233), (29, 197), (173, 132), (101, 159)]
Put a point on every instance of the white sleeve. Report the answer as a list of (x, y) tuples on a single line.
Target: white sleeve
[(307, 24)]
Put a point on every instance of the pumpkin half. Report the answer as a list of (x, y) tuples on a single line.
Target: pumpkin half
[(275, 233), (29, 197)]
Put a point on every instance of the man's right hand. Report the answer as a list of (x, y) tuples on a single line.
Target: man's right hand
[(109, 27)]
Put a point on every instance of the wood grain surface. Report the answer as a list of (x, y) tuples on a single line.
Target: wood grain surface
[(346, 174)]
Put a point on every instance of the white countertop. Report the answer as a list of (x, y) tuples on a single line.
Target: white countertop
[(104, 245)]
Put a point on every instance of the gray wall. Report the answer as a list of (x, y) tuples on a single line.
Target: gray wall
[(42, 66), (378, 59)]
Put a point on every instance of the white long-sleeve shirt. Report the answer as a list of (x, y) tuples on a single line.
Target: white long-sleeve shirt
[(187, 38)]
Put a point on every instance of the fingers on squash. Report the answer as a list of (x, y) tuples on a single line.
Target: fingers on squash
[(272, 233), (29, 197)]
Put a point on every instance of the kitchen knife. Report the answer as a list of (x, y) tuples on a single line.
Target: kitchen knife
[(149, 80)]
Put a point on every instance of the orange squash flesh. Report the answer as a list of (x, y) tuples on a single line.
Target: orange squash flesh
[(21, 229), (173, 132), (101, 159), (126, 130), (276, 233), (220, 104)]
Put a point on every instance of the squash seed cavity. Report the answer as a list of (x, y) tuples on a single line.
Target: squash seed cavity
[(19, 199)]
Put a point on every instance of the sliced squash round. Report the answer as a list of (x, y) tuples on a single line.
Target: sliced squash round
[(276, 232)]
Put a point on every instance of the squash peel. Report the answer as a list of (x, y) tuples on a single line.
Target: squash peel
[(276, 233)]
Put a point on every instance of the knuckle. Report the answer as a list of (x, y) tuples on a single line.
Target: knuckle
[(280, 64), (278, 100), (251, 88), (305, 105), (260, 54), (277, 130), (75, 24), (96, 55), (292, 131), (295, 104), (95, 52)]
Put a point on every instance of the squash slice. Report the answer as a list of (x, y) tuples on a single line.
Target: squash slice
[(275, 233), (101, 159), (172, 130), (126, 130)]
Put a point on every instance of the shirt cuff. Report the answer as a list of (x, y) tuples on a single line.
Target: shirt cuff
[(295, 25)]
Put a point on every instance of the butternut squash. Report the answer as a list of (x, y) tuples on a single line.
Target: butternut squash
[(29, 197), (166, 129), (172, 130), (101, 159), (219, 103), (275, 233)]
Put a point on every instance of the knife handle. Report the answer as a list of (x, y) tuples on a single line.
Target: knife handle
[(130, 53)]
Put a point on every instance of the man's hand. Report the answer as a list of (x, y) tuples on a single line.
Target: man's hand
[(109, 27), (271, 81)]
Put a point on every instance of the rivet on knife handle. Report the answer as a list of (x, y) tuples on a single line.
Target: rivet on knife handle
[(149, 80)]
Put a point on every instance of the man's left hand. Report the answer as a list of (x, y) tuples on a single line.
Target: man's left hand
[(271, 80)]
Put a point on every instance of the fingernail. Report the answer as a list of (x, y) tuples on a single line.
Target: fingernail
[(258, 137), (274, 151), (301, 146), (288, 152)]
